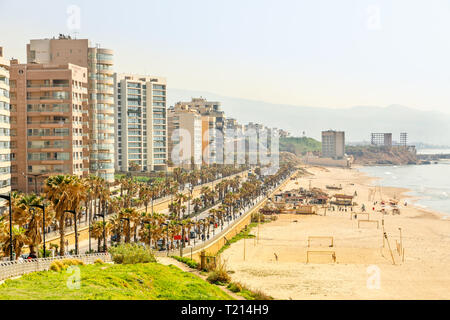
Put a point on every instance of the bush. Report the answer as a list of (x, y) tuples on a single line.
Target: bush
[(190, 263), (59, 265), (256, 216), (131, 254), (248, 294), (98, 261), (235, 287), (219, 275)]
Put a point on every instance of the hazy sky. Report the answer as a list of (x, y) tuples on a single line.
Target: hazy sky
[(315, 53)]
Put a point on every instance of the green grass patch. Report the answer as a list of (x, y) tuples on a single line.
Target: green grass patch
[(146, 281), (241, 235), (248, 294), (190, 263), (300, 145)]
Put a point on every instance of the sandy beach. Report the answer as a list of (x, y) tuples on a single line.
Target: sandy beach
[(364, 269)]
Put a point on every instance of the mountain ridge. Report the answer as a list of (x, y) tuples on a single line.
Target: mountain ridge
[(358, 122)]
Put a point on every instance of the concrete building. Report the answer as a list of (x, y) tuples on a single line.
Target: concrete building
[(333, 144), (141, 122), (381, 139), (5, 140), (213, 128), (99, 62), (49, 129), (185, 145)]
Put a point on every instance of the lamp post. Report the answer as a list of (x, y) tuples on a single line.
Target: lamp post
[(11, 247), (182, 239), (42, 207), (104, 229), (167, 244), (191, 190), (203, 224), (76, 230), (214, 223)]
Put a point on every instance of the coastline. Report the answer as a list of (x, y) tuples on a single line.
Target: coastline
[(404, 195), (422, 274)]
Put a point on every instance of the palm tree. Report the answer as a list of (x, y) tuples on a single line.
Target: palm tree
[(25, 215), (19, 239), (66, 192), (197, 204), (97, 233)]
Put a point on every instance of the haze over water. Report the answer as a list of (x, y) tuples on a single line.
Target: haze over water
[(429, 182)]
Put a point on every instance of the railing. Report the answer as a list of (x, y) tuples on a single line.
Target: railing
[(10, 269), (205, 243)]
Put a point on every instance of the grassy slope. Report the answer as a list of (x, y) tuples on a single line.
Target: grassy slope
[(103, 282), (299, 146)]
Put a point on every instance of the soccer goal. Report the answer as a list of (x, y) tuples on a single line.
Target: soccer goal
[(362, 216), (317, 256), (320, 241), (368, 223)]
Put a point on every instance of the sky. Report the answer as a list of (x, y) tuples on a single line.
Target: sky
[(322, 53)]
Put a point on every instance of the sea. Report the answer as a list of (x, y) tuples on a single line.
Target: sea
[(429, 183)]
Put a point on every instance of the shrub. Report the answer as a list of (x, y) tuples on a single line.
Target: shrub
[(256, 216), (219, 275), (235, 287), (259, 295), (131, 254), (59, 265), (98, 261), (55, 266)]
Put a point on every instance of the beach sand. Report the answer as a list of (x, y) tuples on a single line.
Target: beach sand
[(363, 268)]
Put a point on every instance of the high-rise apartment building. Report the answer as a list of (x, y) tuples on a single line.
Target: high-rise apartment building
[(49, 130), (213, 128), (141, 123), (185, 136), (99, 63), (5, 144), (333, 144)]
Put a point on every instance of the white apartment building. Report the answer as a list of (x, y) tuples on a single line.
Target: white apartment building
[(5, 127), (140, 123)]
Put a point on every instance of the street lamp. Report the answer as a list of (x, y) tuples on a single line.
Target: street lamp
[(214, 223), (191, 190), (35, 179), (42, 207), (203, 224), (167, 244), (104, 229), (11, 247), (76, 230), (182, 239)]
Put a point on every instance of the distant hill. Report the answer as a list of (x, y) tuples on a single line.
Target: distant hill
[(372, 155), (358, 122), (299, 146)]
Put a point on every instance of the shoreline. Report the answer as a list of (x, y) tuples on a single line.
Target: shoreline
[(422, 273), (404, 194)]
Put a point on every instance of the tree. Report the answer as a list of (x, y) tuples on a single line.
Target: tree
[(66, 192)]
